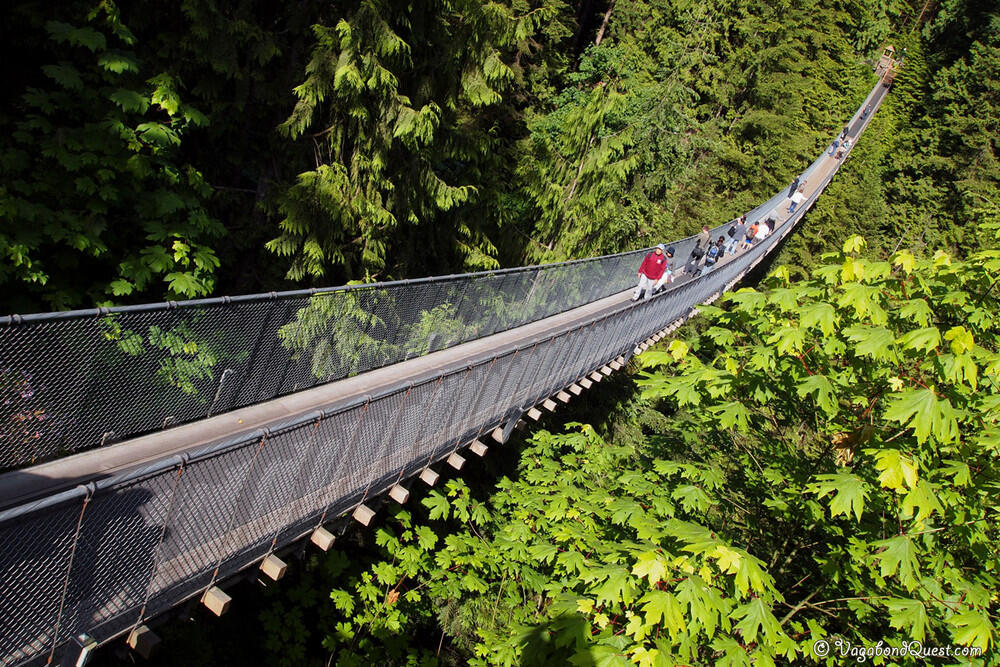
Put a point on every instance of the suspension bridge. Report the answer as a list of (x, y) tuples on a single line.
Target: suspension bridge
[(154, 452)]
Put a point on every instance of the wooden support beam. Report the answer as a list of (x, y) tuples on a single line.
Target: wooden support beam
[(142, 640), (478, 448), (497, 434), (606, 370), (273, 567), (615, 365), (535, 413), (322, 538), (399, 494), (216, 600), (596, 377), (563, 396), (428, 477), (575, 389), (363, 514), (549, 405), (621, 360), (585, 383), (456, 461)]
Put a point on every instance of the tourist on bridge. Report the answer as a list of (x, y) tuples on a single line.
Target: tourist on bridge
[(797, 199), (844, 147), (847, 128), (715, 252), (736, 234), (748, 238), (793, 187), (698, 252), (653, 272)]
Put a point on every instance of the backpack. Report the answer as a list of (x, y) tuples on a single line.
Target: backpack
[(732, 231), (713, 254)]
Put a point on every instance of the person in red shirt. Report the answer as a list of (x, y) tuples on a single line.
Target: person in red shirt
[(655, 270)]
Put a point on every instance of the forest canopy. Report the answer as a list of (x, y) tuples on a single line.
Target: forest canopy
[(201, 149)]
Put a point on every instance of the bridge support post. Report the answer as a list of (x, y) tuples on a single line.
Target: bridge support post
[(497, 435), (563, 396), (535, 413), (456, 461), (399, 494), (322, 538), (585, 383), (142, 640), (576, 389), (478, 448), (549, 405), (596, 377), (216, 600), (273, 567), (605, 370), (428, 477), (363, 514)]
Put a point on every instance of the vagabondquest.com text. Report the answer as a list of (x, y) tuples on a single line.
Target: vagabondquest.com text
[(840, 647)]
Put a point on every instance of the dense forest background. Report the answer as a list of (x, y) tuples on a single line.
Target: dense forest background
[(754, 492), (154, 152)]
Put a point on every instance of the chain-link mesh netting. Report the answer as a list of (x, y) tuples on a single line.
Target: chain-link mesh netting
[(76, 380), (103, 558)]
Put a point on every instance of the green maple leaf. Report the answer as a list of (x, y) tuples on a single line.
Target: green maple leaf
[(657, 605), (972, 628), (849, 493), (543, 552), (925, 339), (921, 410), (917, 310), (822, 315), (788, 340), (437, 504), (756, 619), (922, 499), (909, 616), (895, 469), (874, 342), (820, 387), (426, 537), (184, 283), (959, 470), (692, 498), (652, 566), (572, 560), (619, 587), (898, 555), (733, 413)]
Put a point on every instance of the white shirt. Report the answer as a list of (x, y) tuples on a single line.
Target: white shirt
[(798, 197)]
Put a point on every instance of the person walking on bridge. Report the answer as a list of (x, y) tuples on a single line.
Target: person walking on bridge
[(700, 248), (793, 187), (652, 272)]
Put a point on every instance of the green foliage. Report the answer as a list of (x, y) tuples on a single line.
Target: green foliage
[(92, 179), (843, 487), (397, 89), (573, 562)]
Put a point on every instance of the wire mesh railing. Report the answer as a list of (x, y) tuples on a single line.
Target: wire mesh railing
[(77, 380), (103, 558)]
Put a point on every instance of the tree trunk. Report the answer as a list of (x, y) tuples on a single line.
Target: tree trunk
[(604, 24)]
